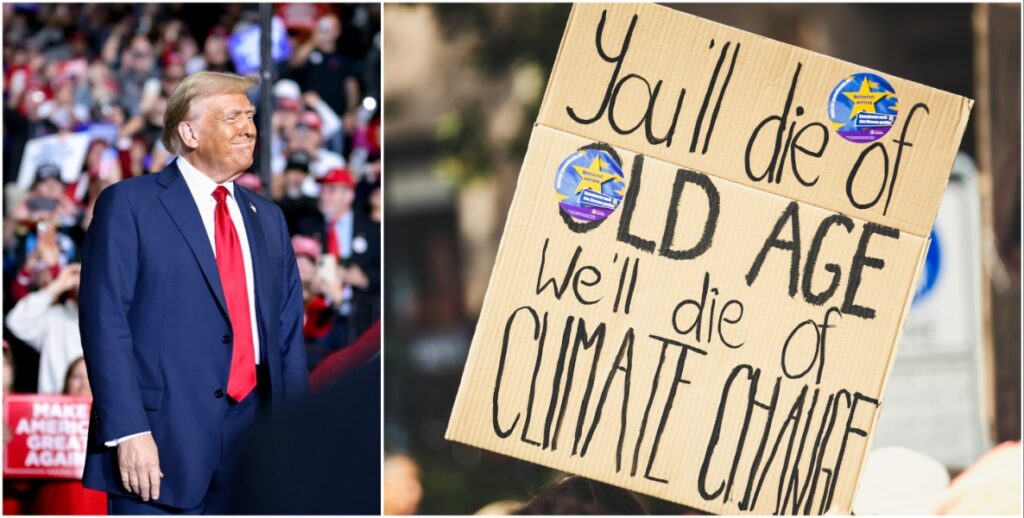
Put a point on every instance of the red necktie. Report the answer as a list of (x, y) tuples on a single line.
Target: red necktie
[(242, 378), (332, 240)]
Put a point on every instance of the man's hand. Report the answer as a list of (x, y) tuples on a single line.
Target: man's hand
[(312, 99), (140, 466), (355, 276), (132, 126)]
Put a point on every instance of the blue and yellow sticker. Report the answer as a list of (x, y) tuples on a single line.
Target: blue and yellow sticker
[(589, 184), (863, 107)]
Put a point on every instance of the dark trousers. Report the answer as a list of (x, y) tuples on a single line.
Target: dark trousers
[(240, 419)]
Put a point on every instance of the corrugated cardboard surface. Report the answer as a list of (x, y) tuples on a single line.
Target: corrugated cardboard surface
[(673, 47), (810, 470)]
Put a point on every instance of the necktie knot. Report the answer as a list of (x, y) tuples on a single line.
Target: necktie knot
[(220, 193)]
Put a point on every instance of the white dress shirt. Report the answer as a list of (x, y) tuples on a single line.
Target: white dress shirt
[(202, 187)]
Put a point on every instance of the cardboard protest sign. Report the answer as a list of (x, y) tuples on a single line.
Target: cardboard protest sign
[(299, 16), (66, 150), (706, 265), (48, 435)]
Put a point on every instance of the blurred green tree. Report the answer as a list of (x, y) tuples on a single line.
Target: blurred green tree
[(511, 54)]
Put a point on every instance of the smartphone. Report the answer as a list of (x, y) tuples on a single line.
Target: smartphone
[(41, 204), (327, 267)]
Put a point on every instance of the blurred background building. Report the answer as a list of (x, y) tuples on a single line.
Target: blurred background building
[(463, 87)]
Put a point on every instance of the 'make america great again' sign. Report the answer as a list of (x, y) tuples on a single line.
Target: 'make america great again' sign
[(47, 435)]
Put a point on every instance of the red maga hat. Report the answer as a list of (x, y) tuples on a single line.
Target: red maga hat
[(285, 103), (310, 119), (173, 58), (250, 181), (338, 175), (306, 246)]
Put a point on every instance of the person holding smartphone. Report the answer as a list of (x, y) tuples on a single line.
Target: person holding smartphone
[(41, 219)]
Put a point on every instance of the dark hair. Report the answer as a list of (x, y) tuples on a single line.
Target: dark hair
[(577, 495), (71, 368)]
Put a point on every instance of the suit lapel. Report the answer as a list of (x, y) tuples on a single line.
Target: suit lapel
[(180, 204), (258, 252)]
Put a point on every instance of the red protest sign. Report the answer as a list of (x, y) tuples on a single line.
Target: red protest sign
[(300, 16), (47, 434), (71, 69)]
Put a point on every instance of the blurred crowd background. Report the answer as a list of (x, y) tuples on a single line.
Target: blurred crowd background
[(85, 89), (463, 87)]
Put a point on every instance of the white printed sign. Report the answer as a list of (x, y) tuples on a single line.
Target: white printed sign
[(66, 151)]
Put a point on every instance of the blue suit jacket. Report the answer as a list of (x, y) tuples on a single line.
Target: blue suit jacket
[(155, 328)]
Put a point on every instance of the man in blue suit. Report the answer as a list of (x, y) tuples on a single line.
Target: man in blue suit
[(191, 312)]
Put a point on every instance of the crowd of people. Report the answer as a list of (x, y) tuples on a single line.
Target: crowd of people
[(901, 482), (101, 75)]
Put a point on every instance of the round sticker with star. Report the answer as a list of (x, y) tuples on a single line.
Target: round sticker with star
[(862, 107), (589, 184)]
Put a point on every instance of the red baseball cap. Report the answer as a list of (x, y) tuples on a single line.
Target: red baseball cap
[(173, 58), (218, 30), (306, 246), (250, 181), (338, 175), (310, 119), (288, 104)]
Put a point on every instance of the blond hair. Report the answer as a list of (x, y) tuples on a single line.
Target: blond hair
[(198, 86)]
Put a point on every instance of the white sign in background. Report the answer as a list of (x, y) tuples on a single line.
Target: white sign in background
[(244, 46), (66, 151), (934, 402)]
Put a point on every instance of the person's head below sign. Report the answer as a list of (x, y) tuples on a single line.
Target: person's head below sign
[(211, 123)]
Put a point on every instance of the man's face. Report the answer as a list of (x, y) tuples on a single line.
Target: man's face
[(327, 31), (49, 188), (335, 199), (216, 50), (306, 138), (65, 93), (293, 179), (226, 130), (141, 54), (173, 74), (288, 120)]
